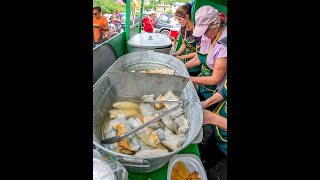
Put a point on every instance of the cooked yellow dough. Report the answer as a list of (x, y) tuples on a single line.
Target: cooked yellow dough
[(125, 105)]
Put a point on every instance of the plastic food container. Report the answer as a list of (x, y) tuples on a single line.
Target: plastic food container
[(104, 169), (192, 163)]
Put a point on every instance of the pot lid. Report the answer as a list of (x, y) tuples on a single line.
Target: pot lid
[(150, 40)]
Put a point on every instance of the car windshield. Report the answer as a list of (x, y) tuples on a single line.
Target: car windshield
[(166, 19)]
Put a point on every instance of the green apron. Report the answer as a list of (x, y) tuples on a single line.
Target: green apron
[(206, 91), (191, 48), (220, 134)]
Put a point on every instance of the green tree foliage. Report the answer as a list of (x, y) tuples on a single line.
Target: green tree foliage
[(148, 7), (184, 1), (171, 2), (109, 6)]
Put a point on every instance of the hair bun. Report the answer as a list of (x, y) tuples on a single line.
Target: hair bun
[(188, 5), (223, 18)]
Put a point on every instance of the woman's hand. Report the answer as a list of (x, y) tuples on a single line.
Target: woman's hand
[(179, 57), (208, 117), (214, 119), (204, 104)]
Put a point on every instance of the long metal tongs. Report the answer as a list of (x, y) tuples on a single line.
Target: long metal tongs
[(134, 99)]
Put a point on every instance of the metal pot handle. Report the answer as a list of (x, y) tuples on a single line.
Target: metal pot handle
[(99, 150), (134, 162), (198, 138)]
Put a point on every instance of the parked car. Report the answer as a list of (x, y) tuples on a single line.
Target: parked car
[(162, 24)]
